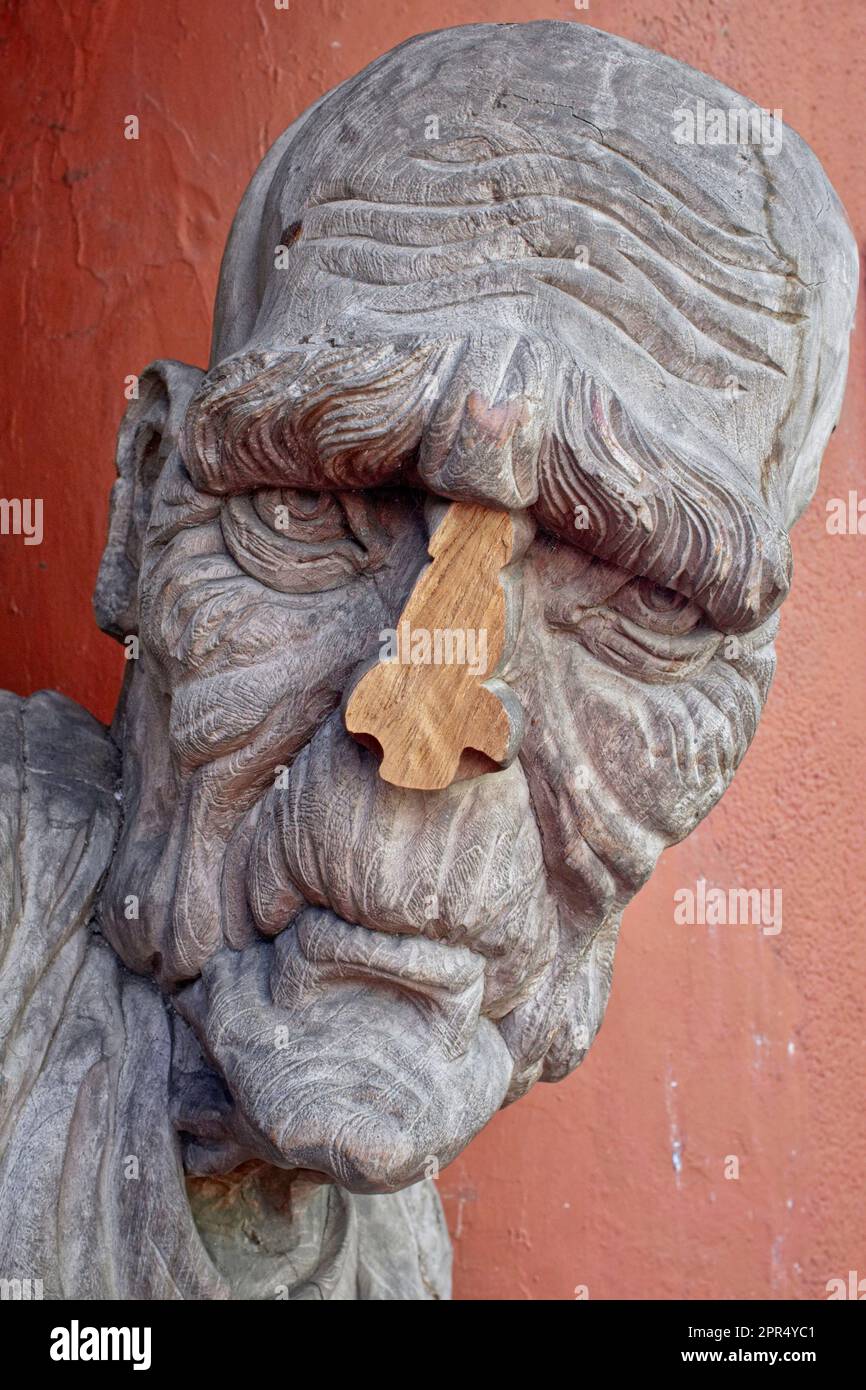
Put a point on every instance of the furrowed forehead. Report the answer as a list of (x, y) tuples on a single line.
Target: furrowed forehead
[(540, 218), (528, 209)]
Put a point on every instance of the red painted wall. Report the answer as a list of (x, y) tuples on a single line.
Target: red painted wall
[(730, 1043)]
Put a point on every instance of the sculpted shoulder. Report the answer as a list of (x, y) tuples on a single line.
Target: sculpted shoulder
[(58, 775), (85, 1141)]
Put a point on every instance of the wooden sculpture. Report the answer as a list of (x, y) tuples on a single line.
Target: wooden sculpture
[(254, 995)]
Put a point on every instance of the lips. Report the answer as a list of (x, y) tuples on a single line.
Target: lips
[(356, 1054)]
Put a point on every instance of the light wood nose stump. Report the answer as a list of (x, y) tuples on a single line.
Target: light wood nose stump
[(429, 705)]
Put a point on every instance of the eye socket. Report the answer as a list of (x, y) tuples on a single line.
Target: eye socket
[(659, 599), (660, 609), (291, 541), (302, 516)]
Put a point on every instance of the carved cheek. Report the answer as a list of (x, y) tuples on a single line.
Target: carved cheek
[(618, 768), (250, 671)]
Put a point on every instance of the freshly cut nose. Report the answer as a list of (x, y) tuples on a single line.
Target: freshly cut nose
[(428, 705)]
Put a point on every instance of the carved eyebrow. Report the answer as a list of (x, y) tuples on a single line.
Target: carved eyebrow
[(653, 510), (357, 415)]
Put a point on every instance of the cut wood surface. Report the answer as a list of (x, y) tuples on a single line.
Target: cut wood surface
[(424, 705)]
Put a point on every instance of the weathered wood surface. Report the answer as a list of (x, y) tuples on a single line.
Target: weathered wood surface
[(93, 1201), (483, 272)]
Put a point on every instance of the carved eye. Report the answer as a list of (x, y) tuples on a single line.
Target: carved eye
[(659, 609), (292, 541), (659, 599), (302, 516)]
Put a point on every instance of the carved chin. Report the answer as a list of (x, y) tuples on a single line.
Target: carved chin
[(336, 1066)]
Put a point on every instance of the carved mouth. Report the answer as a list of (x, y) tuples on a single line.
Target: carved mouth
[(361, 1041), (444, 983), (359, 1055)]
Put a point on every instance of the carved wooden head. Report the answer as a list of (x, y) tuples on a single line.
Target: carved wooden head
[(491, 271)]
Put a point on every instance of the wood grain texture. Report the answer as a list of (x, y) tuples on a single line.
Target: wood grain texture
[(619, 358), (98, 1077), (426, 706)]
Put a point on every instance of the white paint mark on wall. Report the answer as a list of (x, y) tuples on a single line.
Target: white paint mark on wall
[(674, 1128)]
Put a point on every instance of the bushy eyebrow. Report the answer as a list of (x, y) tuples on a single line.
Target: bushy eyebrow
[(455, 419), (650, 507)]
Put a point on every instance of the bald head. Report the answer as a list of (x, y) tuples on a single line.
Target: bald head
[(531, 293)]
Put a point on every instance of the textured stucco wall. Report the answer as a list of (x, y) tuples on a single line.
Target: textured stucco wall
[(716, 1043)]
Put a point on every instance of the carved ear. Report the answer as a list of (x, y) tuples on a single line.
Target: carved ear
[(148, 434)]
